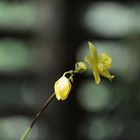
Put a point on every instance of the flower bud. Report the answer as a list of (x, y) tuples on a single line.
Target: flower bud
[(62, 88), (80, 66)]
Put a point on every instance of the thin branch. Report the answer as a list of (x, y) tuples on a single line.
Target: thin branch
[(37, 116)]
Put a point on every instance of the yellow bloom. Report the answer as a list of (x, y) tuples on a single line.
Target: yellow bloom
[(100, 65), (62, 88)]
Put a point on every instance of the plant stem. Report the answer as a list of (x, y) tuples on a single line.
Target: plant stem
[(37, 116), (26, 133)]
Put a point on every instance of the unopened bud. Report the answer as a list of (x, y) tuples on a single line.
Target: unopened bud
[(62, 88), (80, 66)]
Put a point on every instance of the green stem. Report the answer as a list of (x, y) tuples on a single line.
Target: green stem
[(68, 72), (37, 116), (26, 133)]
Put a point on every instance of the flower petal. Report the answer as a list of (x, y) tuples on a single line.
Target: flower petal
[(93, 52), (106, 60), (96, 76), (89, 59), (100, 67), (65, 92), (57, 91), (58, 96), (107, 74)]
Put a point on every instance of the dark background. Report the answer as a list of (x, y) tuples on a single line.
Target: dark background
[(40, 40)]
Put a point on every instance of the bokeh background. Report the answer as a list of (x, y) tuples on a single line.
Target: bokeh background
[(41, 39)]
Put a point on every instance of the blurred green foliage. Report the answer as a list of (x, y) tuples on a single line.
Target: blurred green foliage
[(108, 111)]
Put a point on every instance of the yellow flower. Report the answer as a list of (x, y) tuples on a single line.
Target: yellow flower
[(62, 88), (100, 65)]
